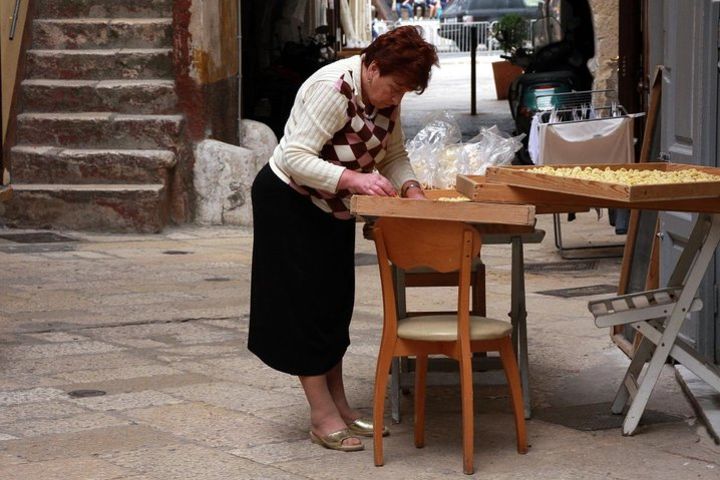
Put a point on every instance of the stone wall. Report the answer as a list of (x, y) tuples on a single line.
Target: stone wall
[(604, 65), (227, 153)]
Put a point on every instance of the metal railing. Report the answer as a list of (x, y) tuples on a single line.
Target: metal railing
[(461, 36), (454, 37)]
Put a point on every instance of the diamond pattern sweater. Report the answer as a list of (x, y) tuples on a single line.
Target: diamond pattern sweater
[(331, 129)]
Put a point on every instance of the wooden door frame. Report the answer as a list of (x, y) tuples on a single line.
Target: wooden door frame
[(631, 54)]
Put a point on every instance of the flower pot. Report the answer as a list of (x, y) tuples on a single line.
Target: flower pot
[(504, 73)]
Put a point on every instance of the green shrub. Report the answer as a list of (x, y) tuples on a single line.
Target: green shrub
[(510, 32)]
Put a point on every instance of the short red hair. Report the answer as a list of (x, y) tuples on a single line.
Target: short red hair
[(404, 54)]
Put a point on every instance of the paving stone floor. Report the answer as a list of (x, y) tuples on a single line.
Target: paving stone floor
[(159, 323)]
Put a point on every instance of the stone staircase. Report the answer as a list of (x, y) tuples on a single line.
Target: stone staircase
[(99, 134)]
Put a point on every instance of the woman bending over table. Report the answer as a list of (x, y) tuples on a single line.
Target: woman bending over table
[(343, 137)]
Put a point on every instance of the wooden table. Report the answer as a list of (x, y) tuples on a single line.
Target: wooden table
[(482, 189), (499, 224), (657, 314)]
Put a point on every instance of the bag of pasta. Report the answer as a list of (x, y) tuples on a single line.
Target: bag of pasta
[(433, 151), (438, 156), (490, 148)]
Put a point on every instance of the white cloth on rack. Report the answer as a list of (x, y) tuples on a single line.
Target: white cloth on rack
[(607, 140), (534, 138)]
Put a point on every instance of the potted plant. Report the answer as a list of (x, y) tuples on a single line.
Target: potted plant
[(510, 32)]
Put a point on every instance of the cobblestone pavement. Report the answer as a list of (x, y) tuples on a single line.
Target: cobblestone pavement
[(159, 324)]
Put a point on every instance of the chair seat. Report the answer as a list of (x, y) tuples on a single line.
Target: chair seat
[(441, 328)]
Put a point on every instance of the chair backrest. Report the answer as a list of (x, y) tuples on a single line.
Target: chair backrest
[(444, 246), (438, 244)]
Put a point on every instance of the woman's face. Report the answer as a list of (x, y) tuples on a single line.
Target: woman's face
[(384, 90)]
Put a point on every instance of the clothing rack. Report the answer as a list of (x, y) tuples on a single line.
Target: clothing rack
[(573, 107), (571, 100), (587, 103)]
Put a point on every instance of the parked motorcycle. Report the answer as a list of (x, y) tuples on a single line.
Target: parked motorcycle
[(563, 42)]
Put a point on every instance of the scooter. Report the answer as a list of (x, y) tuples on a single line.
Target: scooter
[(563, 41)]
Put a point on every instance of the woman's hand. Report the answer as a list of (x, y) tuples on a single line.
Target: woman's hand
[(416, 193), (412, 189), (366, 184)]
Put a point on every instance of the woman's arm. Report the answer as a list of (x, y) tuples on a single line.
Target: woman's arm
[(314, 119), (396, 165)]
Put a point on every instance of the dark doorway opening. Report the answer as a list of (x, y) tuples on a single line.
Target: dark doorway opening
[(278, 54)]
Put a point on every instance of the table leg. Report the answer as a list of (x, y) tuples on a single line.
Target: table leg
[(518, 318), (401, 309), (395, 389)]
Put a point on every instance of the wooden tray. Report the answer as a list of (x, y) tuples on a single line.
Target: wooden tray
[(472, 212), (520, 177), (436, 193), (477, 189)]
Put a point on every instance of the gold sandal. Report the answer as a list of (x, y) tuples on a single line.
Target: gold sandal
[(334, 441), (364, 428)]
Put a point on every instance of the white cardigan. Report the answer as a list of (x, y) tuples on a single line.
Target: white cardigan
[(319, 111)]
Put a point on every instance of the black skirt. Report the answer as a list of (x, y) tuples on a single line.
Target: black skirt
[(303, 280)]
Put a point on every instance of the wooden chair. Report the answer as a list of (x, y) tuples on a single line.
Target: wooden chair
[(445, 247)]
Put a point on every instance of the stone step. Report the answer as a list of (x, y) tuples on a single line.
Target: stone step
[(122, 96), (102, 64), (85, 33), (38, 164), (99, 130), (104, 8), (123, 208)]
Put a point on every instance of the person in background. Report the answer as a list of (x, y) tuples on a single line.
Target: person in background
[(433, 6), (419, 4), (406, 5), (443, 5), (343, 137)]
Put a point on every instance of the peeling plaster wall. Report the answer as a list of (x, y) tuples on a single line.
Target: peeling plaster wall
[(213, 28), (207, 66), (606, 23)]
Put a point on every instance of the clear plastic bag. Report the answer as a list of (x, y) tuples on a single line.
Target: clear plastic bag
[(490, 147), (432, 151), (438, 156)]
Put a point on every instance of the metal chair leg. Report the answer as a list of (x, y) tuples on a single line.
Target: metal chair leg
[(395, 389)]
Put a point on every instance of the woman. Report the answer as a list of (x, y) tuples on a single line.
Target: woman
[(345, 123)]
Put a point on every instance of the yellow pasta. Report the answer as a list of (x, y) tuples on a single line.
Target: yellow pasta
[(453, 199), (631, 176)]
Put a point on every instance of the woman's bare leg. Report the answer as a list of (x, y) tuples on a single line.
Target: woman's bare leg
[(337, 391), (324, 415)]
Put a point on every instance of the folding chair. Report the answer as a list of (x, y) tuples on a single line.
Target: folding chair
[(659, 316)]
